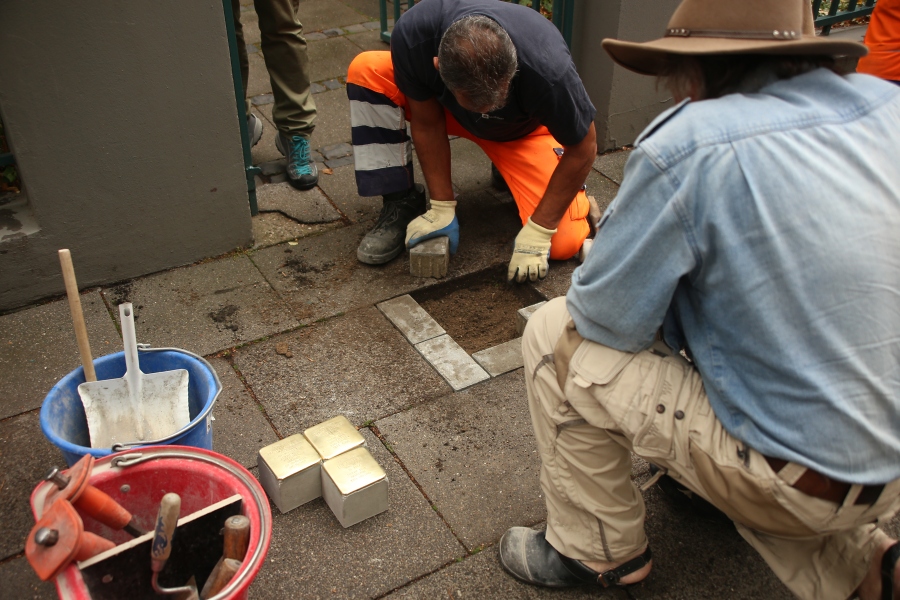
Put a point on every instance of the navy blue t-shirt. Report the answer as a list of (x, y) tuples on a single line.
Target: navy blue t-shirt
[(545, 91)]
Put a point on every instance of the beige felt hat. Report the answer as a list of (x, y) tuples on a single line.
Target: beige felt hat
[(701, 27)]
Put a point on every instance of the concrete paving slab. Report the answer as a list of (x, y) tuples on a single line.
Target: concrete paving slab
[(452, 362), (333, 118), (358, 365), (410, 319), (250, 26), (558, 279), (612, 164), (312, 556), (523, 314), (258, 82), (319, 15), (321, 276), (369, 40), (602, 189), (18, 580), (329, 59), (265, 150), (38, 348), (502, 358), (274, 228), (340, 187), (367, 7), (469, 166), (473, 454), (204, 308), (240, 428), (481, 576), (310, 206), (26, 456)]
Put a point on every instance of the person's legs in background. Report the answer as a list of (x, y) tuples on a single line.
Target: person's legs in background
[(254, 124), (382, 152)]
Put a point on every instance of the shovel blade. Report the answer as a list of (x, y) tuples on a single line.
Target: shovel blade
[(116, 414)]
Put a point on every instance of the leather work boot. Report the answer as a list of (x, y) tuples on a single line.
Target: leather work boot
[(387, 238)]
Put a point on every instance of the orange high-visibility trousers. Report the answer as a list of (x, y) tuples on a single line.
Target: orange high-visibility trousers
[(526, 163)]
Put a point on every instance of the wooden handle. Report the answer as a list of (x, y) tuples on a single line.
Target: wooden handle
[(237, 537), (84, 347), (169, 508), (220, 576)]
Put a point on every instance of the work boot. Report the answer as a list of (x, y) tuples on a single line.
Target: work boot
[(388, 238), (254, 129), (301, 171)]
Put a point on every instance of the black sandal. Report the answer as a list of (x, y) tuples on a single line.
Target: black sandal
[(888, 564)]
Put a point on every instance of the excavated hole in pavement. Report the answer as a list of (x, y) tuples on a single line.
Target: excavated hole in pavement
[(478, 310)]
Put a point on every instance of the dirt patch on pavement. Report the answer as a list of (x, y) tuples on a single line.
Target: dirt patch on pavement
[(479, 310)]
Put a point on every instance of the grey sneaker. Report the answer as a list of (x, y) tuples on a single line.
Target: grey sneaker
[(301, 171), (388, 238), (254, 129)]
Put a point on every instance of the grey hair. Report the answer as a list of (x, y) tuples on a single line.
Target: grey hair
[(477, 58)]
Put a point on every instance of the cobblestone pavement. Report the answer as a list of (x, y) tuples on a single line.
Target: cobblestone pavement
[(297, 332)]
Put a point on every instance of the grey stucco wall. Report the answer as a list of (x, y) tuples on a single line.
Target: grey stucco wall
[(123, 121), (626, 102)]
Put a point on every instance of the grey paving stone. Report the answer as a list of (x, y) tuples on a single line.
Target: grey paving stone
[(430, 258), (481, 576), (38, 348), (358, 365), (262, 99), (369, 40), (252, 49), (558, 279), (278, 178), (316, 88), (523, 314), (316, 157), (315, 36), (452, 362), (333, 84), (336, 150), (204, 308), (333, 32), (364, 7), (312, 556), (470, 167), (330, 58), (339, 162), (333, 119), (473, 454), (273, 167), (310, 206), (18, 581), (265, 151), (601, 188), (613, 164), (356, 28), (25, 458), (502, 358), (410, 319), (375, 24), (319, 15), (258, 83), (340, 187), (272, 228), (240, 428)]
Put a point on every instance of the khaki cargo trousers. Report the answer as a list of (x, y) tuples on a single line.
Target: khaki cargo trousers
[(284, 51), (591, 406)]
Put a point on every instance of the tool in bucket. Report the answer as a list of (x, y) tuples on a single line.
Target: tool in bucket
[(84, 346), (139, 406), (169, 509), (236, 537)]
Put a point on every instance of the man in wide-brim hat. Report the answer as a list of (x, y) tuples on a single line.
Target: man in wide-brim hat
[(737, 322)]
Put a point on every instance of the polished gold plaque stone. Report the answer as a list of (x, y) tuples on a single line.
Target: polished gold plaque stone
[(290, 472), (334, 436), (354, 486)]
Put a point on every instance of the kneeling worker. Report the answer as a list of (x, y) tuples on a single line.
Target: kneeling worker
[(493, 72)]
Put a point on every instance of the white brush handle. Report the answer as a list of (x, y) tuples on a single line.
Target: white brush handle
[(133, 375)]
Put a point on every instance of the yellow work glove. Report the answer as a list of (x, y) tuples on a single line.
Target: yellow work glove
[(531, 253), (439, 220)]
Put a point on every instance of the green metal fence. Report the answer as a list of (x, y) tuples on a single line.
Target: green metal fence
[(838, 11), (561, 13)]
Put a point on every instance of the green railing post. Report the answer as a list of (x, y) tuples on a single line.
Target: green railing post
[(249, 170), (835, 15)]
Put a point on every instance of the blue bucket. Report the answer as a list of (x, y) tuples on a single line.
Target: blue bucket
[(65, 424)]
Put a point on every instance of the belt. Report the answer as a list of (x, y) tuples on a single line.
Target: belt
[(813, 483)]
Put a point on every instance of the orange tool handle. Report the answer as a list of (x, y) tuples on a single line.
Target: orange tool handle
[(101, 507), (91, 545)]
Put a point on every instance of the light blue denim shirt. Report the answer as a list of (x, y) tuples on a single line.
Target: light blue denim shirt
[(762, 231)]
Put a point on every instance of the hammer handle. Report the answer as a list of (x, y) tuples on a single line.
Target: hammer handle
[(237, 537)]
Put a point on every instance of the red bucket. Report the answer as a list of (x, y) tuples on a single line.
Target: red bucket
[(138, 480)]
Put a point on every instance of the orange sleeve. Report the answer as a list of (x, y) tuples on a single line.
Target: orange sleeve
[(883, 40)]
